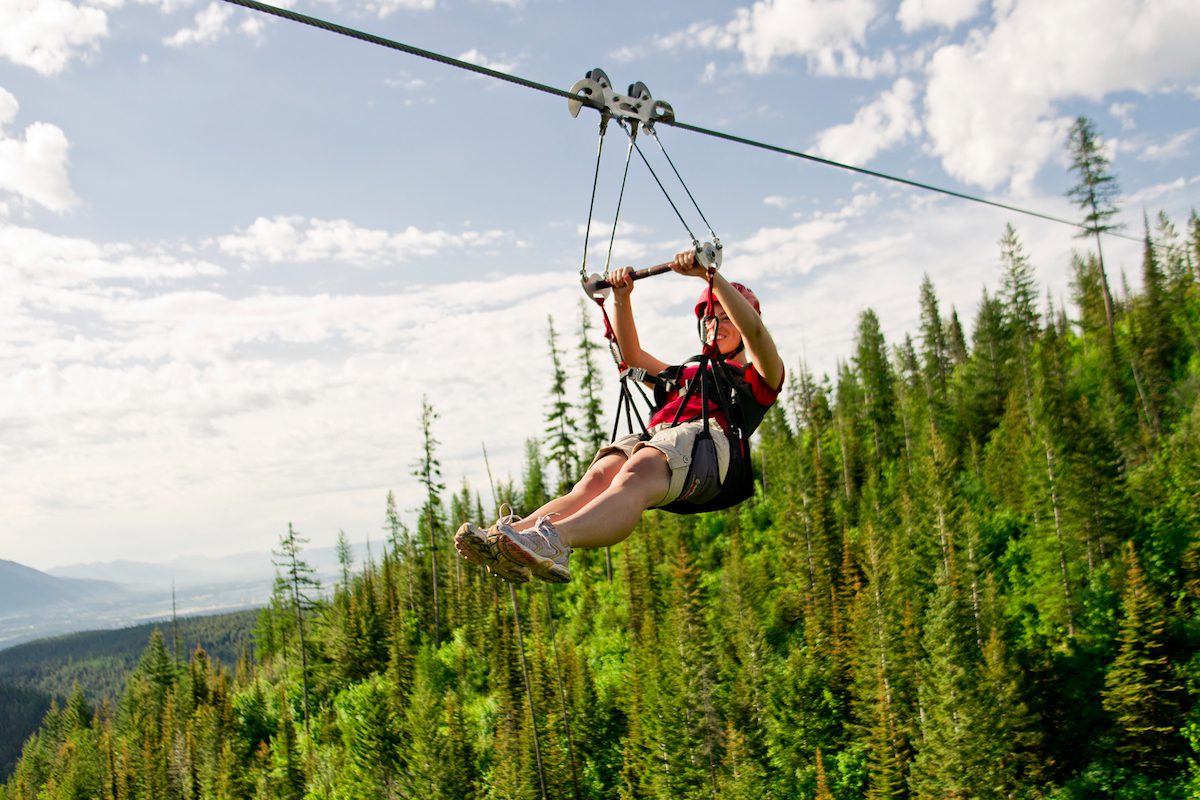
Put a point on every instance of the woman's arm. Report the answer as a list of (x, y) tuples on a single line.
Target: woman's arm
[(760, 346), (625, 328)]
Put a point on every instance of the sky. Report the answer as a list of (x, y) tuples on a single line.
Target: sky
[(237, 252)]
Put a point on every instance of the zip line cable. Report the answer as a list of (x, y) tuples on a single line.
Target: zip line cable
[(371, 38), (362, 36), (873, 173)]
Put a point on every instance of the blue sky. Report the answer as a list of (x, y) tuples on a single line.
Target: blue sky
[(235, 251)]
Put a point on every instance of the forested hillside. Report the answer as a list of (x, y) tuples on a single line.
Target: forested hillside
[(22, 710), (100, 661), (34, 674), (972, 571)]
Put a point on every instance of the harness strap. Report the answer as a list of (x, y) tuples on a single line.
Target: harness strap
[(709, 348)]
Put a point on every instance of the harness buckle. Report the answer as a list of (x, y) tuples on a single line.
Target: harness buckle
[(637, 373)]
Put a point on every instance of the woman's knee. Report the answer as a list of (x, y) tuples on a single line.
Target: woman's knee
[(600, 474), (647, 473)]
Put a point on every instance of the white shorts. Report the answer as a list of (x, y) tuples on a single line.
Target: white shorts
[(676, 444)]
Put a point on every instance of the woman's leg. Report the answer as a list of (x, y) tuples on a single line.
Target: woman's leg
[(597, 478), (610, 516)]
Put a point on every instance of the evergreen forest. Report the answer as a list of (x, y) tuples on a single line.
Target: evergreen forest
[(971, 570), (34, 674)]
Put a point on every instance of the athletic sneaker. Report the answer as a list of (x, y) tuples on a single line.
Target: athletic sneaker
[(479, 547), (538, 549), (505, 522)]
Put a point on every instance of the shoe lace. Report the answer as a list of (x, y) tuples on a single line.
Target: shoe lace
[(543, 533), (507, 517)]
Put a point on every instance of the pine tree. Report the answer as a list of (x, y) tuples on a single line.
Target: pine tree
[(951, 705), (1095, 192), (592, 431), (1007, 728), (935, 345), (392, 523), (1018, 289), (428, 472), (561, 429), (533, 494), (1141, 691), (345, 557), (302, 587), (287, 772), (878, 392), (987, 371)]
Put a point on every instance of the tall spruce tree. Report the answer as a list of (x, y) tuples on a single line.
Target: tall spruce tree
[(561, 429), (935, 344), (878, 390), (950, 704), (591, 409), (1095, 192), (534, 493), (1018, 290), (302, 595), (427, 469), (1141, 690)]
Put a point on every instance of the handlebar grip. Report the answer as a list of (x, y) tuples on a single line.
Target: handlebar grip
[(707, 254), (596, 283)]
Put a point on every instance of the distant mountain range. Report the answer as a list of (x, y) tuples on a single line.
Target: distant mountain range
[(190, 572), (35, 604), (23, 588)]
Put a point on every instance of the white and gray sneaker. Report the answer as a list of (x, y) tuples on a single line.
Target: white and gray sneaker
[(538, 550), (479, 547)]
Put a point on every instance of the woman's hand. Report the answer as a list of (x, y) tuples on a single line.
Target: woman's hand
[(686, 263), (622, 283)]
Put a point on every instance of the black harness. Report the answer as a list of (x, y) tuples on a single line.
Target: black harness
[(724, 386)]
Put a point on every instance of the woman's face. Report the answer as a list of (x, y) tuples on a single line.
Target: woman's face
[(728, 337)]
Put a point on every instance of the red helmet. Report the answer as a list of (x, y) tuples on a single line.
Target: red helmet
[(702, 303)]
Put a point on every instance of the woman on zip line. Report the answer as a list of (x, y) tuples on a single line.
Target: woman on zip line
[(635, 473)]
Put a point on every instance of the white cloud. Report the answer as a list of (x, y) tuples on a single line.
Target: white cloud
[(385, 8), (625, 54), (294, 239), (829, 34), (632, 245), (195, 395), (46, 34), (211, 24), (1175, 147), (1147, 194), (885, 122), (916, 14), (777, 201), (1124, 114), (405, 82), (991, 101), (171, 6), (34, 257), (699, 35), (475, 57), (34, 167), (858, 206)]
